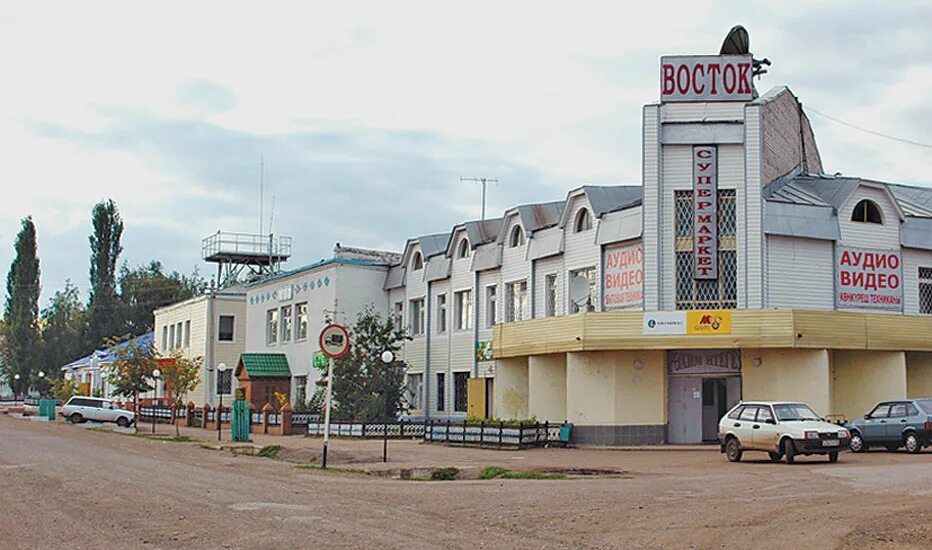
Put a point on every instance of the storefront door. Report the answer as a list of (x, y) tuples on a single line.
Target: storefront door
[(702, 386)]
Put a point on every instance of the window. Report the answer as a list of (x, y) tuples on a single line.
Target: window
[(287, 321), (898, 410), (225, 328), (911, 410), (187, 334), (399, 310), (300, 389), (764, 414), (462, 305), (417, 262), (880, 411), (583, 221), (459, 391), (735, 414), (517, 237), (515, 301), (413, 391), (416, 317), (550, 296), (164, 337), (925, 290), (588, 274), (271, 327), (171, 337), (491, 305), (463, 251), (748, 414), (441, 390), (691, 293), (441, 313), (225, 382), (301, 314), (270, 395), (866, 211), (179, 336)]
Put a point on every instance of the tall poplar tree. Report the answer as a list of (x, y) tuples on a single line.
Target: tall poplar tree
[(21, 342), (104, 319)]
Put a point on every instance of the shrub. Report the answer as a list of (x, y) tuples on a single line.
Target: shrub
[(497, 472), (270, 451), (492, 472), (444, 474)]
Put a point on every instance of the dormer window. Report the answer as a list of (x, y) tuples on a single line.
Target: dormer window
[(583, 221), (463, 250), (517, 237), (417, 262), (867, 211)]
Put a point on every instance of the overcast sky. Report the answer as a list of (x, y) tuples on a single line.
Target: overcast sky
[(367, 114)]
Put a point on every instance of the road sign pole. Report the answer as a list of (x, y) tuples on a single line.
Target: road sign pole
[(327, 411)]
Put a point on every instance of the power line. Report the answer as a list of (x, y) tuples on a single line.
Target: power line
[(869, 131)]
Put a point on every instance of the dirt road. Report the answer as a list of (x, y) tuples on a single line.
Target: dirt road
[(64, 486)]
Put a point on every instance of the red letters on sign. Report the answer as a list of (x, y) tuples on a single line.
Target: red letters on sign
[(706, 78)]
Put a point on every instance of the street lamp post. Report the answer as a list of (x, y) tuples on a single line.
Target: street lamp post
[(41, 385), (387, 358), (155, 374), (221, 368), (15, 387)]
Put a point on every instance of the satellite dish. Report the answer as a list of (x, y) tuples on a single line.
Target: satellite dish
[(579, 291), (737, 42)]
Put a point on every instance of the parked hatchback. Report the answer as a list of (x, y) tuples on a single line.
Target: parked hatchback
[(894, 424), (780, 429), (79, 409)]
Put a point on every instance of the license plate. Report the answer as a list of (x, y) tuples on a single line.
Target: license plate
[(830, 443)]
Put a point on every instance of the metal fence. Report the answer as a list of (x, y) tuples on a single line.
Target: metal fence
[(498, 435), (394, 430)]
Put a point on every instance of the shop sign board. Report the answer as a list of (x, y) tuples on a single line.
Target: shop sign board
[(693, 362), (868, 278), (705, 211), (706, 78), (708, 321), (484, 350), (623, 276), (664, 323)]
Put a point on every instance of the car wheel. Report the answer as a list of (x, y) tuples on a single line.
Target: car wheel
[(122, 422), (833, 456), (733, 450), (893, 448), (789, 451), (775, 457), (912, 443), (857, 443), (76, 418)]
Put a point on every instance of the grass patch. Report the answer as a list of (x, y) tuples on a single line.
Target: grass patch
[(270, 451), (497, 472), (444, 474)]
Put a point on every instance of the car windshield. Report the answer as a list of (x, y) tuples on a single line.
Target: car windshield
[(794, 412), (926, 405)]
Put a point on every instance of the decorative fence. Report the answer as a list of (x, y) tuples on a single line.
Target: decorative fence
[(495, 435), (395, 430)]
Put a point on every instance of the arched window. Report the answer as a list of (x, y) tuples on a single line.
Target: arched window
[(417, 262), (866, 211), (463, 250), (583, 220), (517, 237)]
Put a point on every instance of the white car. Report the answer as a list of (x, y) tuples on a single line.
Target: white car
[(781, 429), (80, 409)]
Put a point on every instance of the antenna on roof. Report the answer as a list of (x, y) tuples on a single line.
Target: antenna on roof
[(483, 181), (261, 189), (737, 42)]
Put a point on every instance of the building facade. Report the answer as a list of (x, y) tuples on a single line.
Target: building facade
[(211, 327)]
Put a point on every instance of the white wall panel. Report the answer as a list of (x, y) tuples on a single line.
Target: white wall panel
[(869, 235), (801, 273), (913, 259), (547, 266), (580, 249)]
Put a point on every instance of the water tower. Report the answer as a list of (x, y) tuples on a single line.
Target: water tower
[(245, 257)]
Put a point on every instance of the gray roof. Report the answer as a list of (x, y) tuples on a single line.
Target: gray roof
[(431, 245), (535, 217), (916, 233), (545, 243), (438, 268), (605, 199), (801, 220), (487, 256), (395, 277)]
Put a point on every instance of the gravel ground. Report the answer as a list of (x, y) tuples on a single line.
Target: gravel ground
[(62, 485)]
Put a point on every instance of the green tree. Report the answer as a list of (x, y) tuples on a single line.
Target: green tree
[(132, 370), (63, 390), (63, 329), (180, 376), (21, 340), (103, 307), (147, 288), (364, 388)]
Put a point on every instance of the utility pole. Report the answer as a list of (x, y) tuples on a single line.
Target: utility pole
[(482, 181)]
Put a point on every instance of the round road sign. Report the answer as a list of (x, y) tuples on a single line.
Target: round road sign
[(334, 341)]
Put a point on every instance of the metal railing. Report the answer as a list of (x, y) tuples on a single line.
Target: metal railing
[(248, 244)]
